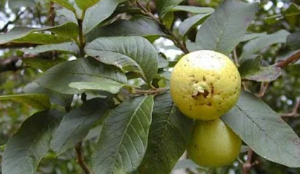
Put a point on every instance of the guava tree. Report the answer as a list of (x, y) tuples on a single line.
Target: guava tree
[(97, 81)]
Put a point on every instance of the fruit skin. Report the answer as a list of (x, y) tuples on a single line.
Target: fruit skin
[(213, 144), (205, 84)]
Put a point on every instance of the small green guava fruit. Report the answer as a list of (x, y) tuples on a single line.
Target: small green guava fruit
[(213, 144), (205, 84)]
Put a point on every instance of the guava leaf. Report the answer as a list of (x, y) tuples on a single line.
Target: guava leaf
[(42, 64), (68, 47), (124, 137), (193, 9), (191, 22), (86, 3), (293, 40), (252, 69), (38, 101), (16, 4), (263, 41), (93, 17), (40, 38), (77, 123), (55, 97), (130, 53), (254, 121), (137, 26), (225, 28), (169, 133), (105, 85), (27, 147), (60, 76), (68, 14), (65, 3), (251, 36), (163, 6), (68, 29)]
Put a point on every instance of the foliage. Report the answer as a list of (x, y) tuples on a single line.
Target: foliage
[(95, 78)]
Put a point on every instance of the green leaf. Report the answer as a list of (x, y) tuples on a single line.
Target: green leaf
[(130, 53), (225, 28), (251, 69), (93, 17), (254, 121), (124, 137), (137, 26), (55, 97), (27, 147), (40, 38), (163, 6), (292, 14), (263, 41), (86, 3), (77, 123), (251, 36), (162, 61), (16, 4), (60, 76), (68, 47), (64, 3), (42, 64), (193, 9), (169, 133), (68, 14), (68, 29), (191, 23), (38, 101), (293, 40), (105, 85)]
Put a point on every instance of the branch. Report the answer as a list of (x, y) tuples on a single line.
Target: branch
[(292, 59), (177, 41), (80, 158), (4, 29), (294, 113), (10, 64)]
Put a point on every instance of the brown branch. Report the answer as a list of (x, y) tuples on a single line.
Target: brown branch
[(294, 113), (263, 88), (80, 159), (52, 14), (177, 41), (292, 59)]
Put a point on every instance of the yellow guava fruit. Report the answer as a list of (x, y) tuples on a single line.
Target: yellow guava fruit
[(213, 144), (205, 84)]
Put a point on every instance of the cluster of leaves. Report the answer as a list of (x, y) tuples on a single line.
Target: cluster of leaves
[(122, 81)]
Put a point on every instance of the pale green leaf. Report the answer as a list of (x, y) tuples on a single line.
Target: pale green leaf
[(264, 131), (168, 137), (68, 14), (163, 6), (124, 137), (60, 76), (225, 28), (193, 9), (130, 53), (105, 85), (38, 101), (30, 144), (86, 3), (68, 47), (64, 3), (77, 123)]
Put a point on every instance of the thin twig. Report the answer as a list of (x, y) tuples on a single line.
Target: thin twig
[(80, 159), (294, 113), (235, 57), (292, 59), (4, 28), (177, 41), (263, 88), (52, 14)]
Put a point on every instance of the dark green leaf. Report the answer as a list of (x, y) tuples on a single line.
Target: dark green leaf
[(38, 101), (264, 131), (68, 47), (124, 137), (64, 3), (252, 69), (86, 3), (130, 53), (163, 6), (251, 36), (76, 124), (68, 29), (42, 64), (225, 28), (191, 23), (98, 13), (294, 40), (60, 76), (40, 38), (55, 97), (169, 133), (263, 41), (137, 26), (26, 148), (162, 61), (193, 9)]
